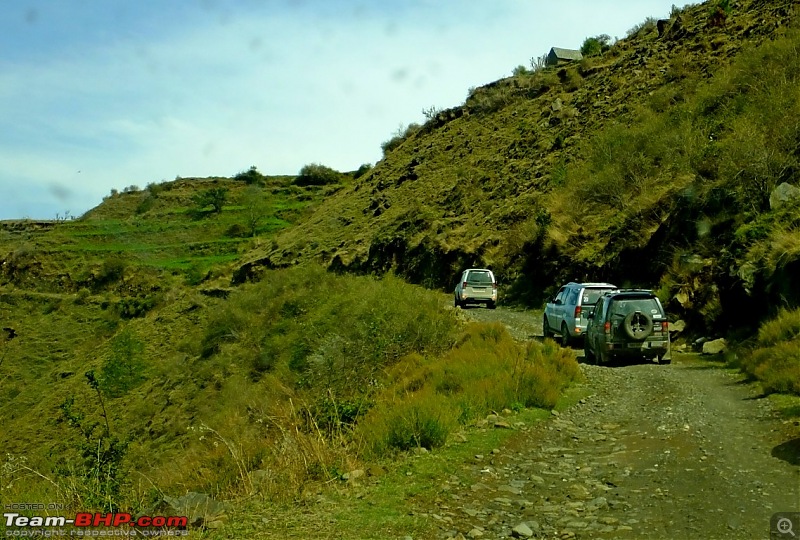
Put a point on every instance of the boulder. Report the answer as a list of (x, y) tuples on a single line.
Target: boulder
[(783, 194), (677, 327), (716, 346)]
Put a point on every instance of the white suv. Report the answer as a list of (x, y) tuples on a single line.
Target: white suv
[(476, 286), (568, 313)]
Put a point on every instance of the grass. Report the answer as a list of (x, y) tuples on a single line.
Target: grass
[(774, 360), (264, 394)]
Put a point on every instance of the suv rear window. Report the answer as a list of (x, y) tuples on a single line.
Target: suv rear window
[(479, 277), (629, 305), (590, 296)]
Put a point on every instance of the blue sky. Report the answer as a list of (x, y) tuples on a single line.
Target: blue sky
[(96, 95)]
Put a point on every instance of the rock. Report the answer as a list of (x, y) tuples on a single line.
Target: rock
[(783, 194), (521, 531), (682, 299), (677, 327), (597, 504), (557, 105), (475, 533), (697, 344), (717, 346), (502, 424), (353, 475)]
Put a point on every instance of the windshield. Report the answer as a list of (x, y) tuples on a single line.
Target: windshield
[(628, 305), (590, 296), (481, 276)]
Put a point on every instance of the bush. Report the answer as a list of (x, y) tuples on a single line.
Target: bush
[(487, 371), (315, 174), (422, 420), (362, 170), (776, 359), (399, 137), (124, 368), (213, 197), (250, 177), (784, 327), (593, 46), (224, 327)]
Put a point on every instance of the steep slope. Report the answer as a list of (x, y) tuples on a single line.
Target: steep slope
[(583, 171)]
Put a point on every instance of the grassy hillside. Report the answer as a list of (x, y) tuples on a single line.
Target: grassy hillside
[(659, 150), (130, 370), (187, 337)]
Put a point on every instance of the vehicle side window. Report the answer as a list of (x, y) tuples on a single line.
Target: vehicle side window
[(573, 297), (560, 296)]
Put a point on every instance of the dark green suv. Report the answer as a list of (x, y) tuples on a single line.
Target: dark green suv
[(628, 324)]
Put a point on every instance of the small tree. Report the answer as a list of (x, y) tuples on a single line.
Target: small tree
[(593, 46), (214, 197), (255, 209)]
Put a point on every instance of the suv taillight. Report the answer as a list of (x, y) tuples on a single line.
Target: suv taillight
[(464, 285), (607, 327), (577, 312), (494, 286)]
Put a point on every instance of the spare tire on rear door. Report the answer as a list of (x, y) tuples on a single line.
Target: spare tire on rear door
[(638, 325)]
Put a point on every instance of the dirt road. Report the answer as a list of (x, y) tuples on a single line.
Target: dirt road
[(680, 451)]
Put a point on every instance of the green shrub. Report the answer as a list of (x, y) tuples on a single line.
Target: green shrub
[(784, 327), (250, 177), (224, 327), (422, 420), (775, 361), (487, 371), (315, 174), (399, 137), (213, 197), (124, 368), (776, 367), (593, 46)]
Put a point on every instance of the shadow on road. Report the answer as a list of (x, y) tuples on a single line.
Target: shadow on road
[(788, 451)]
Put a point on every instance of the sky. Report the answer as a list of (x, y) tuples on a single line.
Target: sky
[(101, 95)]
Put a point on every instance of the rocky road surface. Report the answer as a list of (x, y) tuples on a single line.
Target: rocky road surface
[(687, 450)]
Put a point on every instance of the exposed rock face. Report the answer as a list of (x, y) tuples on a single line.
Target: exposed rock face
[(783, 194)]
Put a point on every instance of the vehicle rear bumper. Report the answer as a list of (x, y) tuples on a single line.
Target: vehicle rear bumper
[(646, 348)]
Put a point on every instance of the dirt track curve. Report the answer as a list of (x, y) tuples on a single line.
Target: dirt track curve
[(687, 450)]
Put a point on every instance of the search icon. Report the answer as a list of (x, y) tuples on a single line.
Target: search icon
[(784, 526)]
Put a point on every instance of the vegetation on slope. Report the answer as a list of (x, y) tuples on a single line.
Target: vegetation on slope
[(299, 377), (659, 149)]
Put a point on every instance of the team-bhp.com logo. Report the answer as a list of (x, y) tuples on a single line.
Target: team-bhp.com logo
[(19, 525)]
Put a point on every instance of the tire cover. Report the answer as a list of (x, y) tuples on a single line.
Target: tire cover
[(638, 325)]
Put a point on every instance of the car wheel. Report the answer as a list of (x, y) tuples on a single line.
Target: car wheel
[(564, 335), (603, 358), (664, 361), (546, 332), (491, 305), (588, 354)]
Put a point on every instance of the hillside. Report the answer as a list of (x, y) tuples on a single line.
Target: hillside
[(288, 344), (659, 150)]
